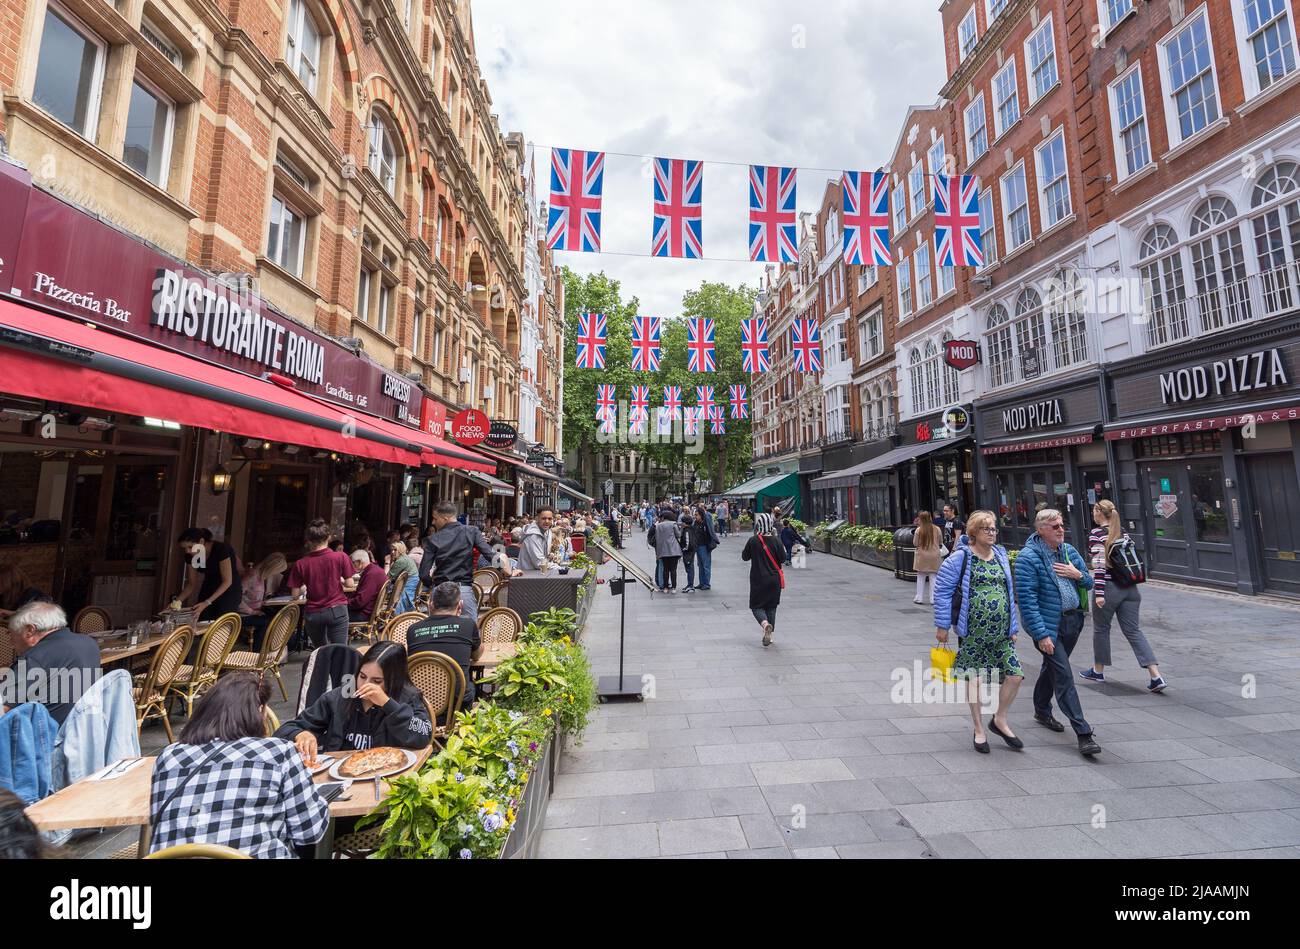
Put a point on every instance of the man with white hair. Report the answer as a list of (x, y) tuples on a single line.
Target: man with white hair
[(363, 589), (54, 665)]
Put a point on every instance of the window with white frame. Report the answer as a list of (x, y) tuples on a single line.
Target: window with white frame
[(1275, 202), (1040, 60), (302, 44), (946, 277), (999, 348), (933, 391), (924, 287), (977, 132), (286, 236), (1163, 289), (871, 334), (900, 208), (383, 151), (1015, 208), (904, 277), (988, 230), (951, 377), (70, 72), (1113, 11), (937, 158), (1129, 118), (968, 33), (916, 376), (1067, 320), (159, 40), (418, 323), (1006, 99), (1190, 84), (916, 185), (1053, 181), (867, 278), (994, 9), (1219, 265), (1031, 335), (1269, 38), (365, 287), (148, 143)]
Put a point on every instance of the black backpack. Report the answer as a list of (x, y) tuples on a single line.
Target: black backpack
[(1124, 564)]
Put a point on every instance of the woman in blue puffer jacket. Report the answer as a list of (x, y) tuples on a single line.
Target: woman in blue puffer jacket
[(986, 622)]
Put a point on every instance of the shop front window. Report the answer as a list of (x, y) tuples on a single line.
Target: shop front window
[(136, 513), (1207, 500)]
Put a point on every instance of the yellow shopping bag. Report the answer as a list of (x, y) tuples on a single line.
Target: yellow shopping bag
[(941, 663)]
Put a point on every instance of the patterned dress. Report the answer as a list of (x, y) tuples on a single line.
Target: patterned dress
[(986, 647)]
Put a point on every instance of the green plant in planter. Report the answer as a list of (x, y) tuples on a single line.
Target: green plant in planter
[(554, 623), (821, 530), (549, 679), (601, 535), (582, 562)]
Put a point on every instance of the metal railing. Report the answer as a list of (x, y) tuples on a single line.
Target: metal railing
[(1257, 296)]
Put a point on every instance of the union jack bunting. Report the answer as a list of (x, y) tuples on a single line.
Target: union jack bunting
[(637, 426), (577, 179), (772, 214), (607, 424), (645, 343), (699, 345), (739, 402), (673, 401), (592, 330), (806, 341), (679, 206), (957, 221), (704, 399), (866, 219), (640, 403), (718, 425), (606, 401), (753, 346), (691, 421), (664, 422)]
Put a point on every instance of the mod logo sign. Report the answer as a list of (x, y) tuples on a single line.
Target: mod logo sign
[(961, 354)]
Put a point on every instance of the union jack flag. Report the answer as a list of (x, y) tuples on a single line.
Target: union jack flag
[(679, 206), (957, 221), (772, 214), (645, 343), (640, 403), (673, 401), (577, 180), (806, 341), (663, 422), (699, 345), (637, 426), (691, 422), (753, 346), (866, 219), (607, 424), (606, 401), (704, 399), (592, 330), (739, 402), (718, 425)]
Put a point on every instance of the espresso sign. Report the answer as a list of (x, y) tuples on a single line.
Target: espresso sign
[(1249, 373), (1035, 415)]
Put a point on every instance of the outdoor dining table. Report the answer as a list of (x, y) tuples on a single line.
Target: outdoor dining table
[(123, 801), (117, 648)]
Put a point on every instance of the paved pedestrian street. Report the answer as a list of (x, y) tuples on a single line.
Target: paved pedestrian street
[(799, 750)]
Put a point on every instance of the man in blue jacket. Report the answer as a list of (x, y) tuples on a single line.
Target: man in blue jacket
[(1049, 573)]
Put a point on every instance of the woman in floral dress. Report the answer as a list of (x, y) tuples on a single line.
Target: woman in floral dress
[(979, 571)]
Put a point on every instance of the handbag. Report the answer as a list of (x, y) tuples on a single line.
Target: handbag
[(957, 594), (767, 550), (942, 660)]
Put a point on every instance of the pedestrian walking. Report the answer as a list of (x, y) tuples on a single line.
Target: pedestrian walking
[(1052, 583), (766, 581), (928, 541), (686, 538), (668, 551), (724, 519), (953, 526), (706, 541), (973, 595), (1114, 597)]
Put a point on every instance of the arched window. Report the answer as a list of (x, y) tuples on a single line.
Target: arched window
[(1031, 336), (383, 150), (1219, 265), (302, 46), (1069, 322), (933, 392), (1277, 235), (916, 376), (951, 377), (1163, 289), (1000, 350)]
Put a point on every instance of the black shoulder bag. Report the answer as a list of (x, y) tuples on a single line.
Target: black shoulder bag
[(957, 595)]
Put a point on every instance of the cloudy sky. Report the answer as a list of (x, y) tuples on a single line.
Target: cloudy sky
[(726, 81)]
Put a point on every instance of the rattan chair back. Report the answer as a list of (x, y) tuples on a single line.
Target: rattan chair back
[(499, 625), (398, 626), (91, 619), (441, 682)]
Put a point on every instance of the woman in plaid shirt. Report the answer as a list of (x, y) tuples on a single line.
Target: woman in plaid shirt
[(236, 786)]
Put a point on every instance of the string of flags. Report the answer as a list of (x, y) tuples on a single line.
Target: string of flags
[(677, 229), (706, 408), (701, 332)]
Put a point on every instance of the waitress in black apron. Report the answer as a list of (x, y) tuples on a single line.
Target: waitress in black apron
[(212, 580)]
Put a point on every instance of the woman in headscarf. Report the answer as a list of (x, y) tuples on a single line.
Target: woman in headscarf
[(764, 553)]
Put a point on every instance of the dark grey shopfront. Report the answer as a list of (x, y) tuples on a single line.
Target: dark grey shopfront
[(1206, 445), (1041, 449)]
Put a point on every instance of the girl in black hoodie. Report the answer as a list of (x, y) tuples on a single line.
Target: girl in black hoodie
[(383, 710)]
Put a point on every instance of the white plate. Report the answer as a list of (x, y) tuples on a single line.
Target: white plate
[(410, 760), (322, 763)]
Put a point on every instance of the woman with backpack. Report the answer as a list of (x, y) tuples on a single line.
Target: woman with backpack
[(1116, 593)]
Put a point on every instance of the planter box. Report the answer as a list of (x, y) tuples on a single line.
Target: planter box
[(524, 837), (596, 554), (866, 553), (587, 595), (821, 544), (842, 548)]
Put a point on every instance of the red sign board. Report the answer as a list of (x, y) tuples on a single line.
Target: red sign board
[(433, 418), (924, 433), (1217, 423), (961, 354), (470, 427)]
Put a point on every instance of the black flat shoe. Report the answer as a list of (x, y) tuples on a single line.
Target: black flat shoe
[(981, 747), (1048, 721), (1011, 740)]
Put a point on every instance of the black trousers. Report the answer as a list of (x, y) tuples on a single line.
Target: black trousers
[(670, 572)]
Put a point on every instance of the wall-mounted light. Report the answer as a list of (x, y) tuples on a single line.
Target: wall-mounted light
[(221, 478)]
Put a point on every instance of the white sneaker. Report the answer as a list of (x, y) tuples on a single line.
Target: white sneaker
[(767, 633), (917, 601)]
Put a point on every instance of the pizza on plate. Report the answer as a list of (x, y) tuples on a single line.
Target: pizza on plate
[(374, 761)]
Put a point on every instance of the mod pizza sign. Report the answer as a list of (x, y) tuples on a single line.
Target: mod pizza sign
[(961, 354)]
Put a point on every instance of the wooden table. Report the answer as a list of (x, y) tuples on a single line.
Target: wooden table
[(117, 648), (124, 801), (279, 602), (492, 656)]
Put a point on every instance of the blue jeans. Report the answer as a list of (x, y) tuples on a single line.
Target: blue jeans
[(468, 602), (704, 557), (688, 559), (1057, 676)]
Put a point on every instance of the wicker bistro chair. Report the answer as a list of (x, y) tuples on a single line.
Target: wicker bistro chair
[(396, 628), (497, 596), (442, 683), (91, 619), (481, 593), (487, 576), (500, 625), (193, 680), (199, 852), (274, 644), (395, 587), (422, 595), (152, 687), (369, 629)]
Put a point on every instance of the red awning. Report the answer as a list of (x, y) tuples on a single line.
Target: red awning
[(61, 360), (523, 466)]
